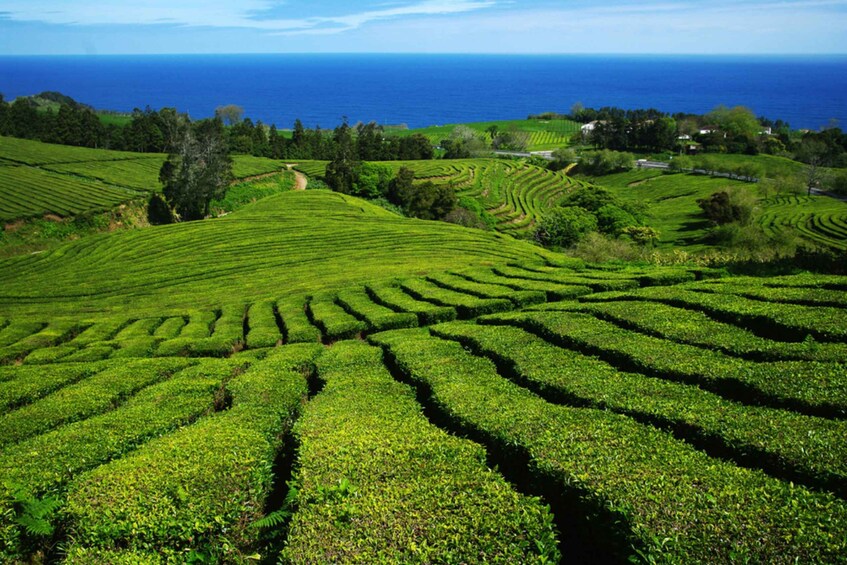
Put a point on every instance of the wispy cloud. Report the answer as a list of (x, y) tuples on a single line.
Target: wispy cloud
[(221, 14)]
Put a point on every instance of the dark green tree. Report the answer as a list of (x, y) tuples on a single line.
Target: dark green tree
[(198, 171), (565, 227), (341, 171)]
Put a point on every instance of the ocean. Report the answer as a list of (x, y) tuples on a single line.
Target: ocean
[(422, 90)]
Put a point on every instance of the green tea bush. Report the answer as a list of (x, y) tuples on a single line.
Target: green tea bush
[(333, 321), (394, 298), (466, 306), (198, 490), (804, 447), (660, 499), (377, 483), (812, 387), (84, 399), (379, 318)]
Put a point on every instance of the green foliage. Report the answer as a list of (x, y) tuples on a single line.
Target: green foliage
[(201, 488), (371, 180), (378, 483), (662, 519), (726, 207), (605, 162), (197, 172), (806, 446), (564, 227)]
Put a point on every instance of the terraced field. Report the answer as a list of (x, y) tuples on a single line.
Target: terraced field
[(515, 193), (541, 135), (509, 412), (39, 178), (275, 246), (818, 219), (670, 202)]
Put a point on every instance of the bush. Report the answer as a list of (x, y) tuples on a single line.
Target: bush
[(613, 220), (565, 227), (728, 206), (599, 163)]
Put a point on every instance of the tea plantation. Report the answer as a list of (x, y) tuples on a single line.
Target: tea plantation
[(39, 178), (315, 379)]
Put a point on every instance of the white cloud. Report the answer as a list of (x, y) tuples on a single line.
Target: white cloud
[(218, 13)]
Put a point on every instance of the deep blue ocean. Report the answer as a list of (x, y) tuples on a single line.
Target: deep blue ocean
[(422, 90)]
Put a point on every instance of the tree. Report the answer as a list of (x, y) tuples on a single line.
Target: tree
[(230, 114), (563, 157), (372, 180), (198, 171), (728, 206), (341, 171), (564, 227), (812, 152)]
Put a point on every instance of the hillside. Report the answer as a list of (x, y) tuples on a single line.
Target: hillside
[(40, 178), (659, 413), (312, 378), (538, 135)]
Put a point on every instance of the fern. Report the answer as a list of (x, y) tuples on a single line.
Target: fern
[(273, 520), (34, 514)]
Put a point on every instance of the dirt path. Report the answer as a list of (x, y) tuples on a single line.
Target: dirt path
[(300, 180)]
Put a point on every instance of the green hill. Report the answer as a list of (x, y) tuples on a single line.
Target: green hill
[(40, 178)]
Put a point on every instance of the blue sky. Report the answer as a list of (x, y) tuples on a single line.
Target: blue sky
[(422, 26)]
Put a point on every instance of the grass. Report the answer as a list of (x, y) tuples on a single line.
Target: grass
[(40, 178), (541, 135), (670, 205), (216, 390)]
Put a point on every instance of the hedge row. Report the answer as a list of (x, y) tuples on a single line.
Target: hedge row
[(17, 331), (378, 317), (805, 447), (78, 447), (96, 352), (552, 290), (750, 289), (200, 489), (778, 321), (101, 331), (138, 329), (813, 387), (264, 331), (696, 328), (565, 278), (86, 398), (661, 499), (30, 384), (393, 297), (335, 324), (377, 483), (170, 328), (144, 346), (298, 327), (465, 305), (49, 354), (520, 298), (227, 337), (53, 334)]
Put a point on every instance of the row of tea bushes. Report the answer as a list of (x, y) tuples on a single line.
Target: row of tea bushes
[(805, 448), (661, 499), (811, 387), (378, 483)]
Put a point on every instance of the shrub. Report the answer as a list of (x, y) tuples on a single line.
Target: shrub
[(565, 227)]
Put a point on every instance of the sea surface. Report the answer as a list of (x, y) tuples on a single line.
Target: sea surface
[(423, 90)]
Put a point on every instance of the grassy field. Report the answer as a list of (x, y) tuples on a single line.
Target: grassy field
[(670, 204), (39, 178), (514, 193), (541, 134), (315, 379), (650, 409)]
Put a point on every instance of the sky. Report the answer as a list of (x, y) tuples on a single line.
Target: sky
[(35, 27)]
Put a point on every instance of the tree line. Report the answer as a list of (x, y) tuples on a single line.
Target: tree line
[(152, 131)]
